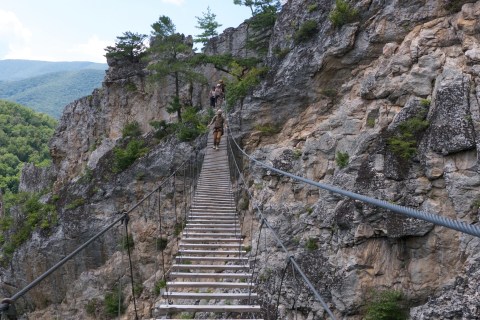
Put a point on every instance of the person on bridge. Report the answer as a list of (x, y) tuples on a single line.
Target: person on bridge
[(219, 123)]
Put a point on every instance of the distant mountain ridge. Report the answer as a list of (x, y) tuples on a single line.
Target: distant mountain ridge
[(15, 69), (48, 87)]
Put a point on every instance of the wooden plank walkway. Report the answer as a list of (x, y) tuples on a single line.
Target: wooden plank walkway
[(210, 278)]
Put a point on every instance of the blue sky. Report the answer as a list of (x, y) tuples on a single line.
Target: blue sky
[(79, 30)]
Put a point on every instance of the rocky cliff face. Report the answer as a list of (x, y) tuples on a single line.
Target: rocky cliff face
[(396, 91), (352, 90)]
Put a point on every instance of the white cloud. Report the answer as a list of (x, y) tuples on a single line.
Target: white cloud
[(14, 37), (92, 50), (176, 2)]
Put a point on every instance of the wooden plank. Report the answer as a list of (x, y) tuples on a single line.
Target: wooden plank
[(211, 275), (209, 284), (217, 267), (206, 295), (208, 308)]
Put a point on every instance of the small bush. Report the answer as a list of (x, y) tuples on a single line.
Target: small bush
[(113, 303), (308, 29), (123, 158), (281, 53), (342, 159), (311, 244), (387, 305), (425, 102), (343, 13), (91, 307), (330, 93), (161, 243), (130, 86), (267, 129), (75, 204), (370, 122), (312, 7), (127, 242), (404, 143), (138, 289), (159, 285), (132, 129), (162, 128), (297, 153)]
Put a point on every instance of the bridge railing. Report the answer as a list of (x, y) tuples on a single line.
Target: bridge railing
[(238, 157), (180, 183)]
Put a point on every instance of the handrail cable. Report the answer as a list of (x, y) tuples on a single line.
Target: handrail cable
[(418, 214), (6, 303), (125, 221), (280, 243)]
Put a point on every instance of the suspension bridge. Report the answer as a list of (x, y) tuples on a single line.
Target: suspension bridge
[(214, 271)]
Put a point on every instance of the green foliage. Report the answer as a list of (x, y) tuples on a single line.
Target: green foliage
[(453, 6), (130, 46), (137, 289), (162, 128), (208, 24), (123, 158), (343, 13), (297, 153), (387, 305), (281, 53), (24, 137), (161, 243), (36, 216), (113, 303), (306, 31), (159, 285), (91, 307), (178, 228), (370, 122), (130, 86), (425, 103), (267, 129), (330, 93), (311, 244), (239, 89), (75, 204), (342, 159), (191, 126), (312, 7), (187, 315), (404, 143), (131, 129), (127, 242)]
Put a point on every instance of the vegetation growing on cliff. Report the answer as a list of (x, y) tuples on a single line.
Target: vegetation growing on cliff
[(24, 136), (343, 13)]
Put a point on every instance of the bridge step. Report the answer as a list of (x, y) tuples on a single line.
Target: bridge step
[(216, 267), (200, 295), (193, 258), (210, 284), (207, 275), (207, 308), (213, 252)]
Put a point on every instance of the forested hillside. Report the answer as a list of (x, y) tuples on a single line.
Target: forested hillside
[(50, 93), (13, 69), (24, 136)]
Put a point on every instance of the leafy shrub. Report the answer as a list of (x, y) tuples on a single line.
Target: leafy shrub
[(127, 242), (371, 122), (342, 159), (161, 243), (425, 103), (131, 129), (36, 215), (404, 143), (113, 303), (311, 244), (91, 307), (162, 128), (239, 89), (192, 125), (281, 53), (312, 7), (343, 13), (330, 93), (308, 29), (297, 153), (159, 285), (387, 305), (75, 204), (130, 86), (267, 129), (125, 157)]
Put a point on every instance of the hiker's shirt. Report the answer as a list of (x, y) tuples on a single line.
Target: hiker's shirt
[(218, 123)]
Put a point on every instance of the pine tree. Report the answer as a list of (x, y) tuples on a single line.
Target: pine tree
[(172, 53), (130, 46), (209, 26)]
